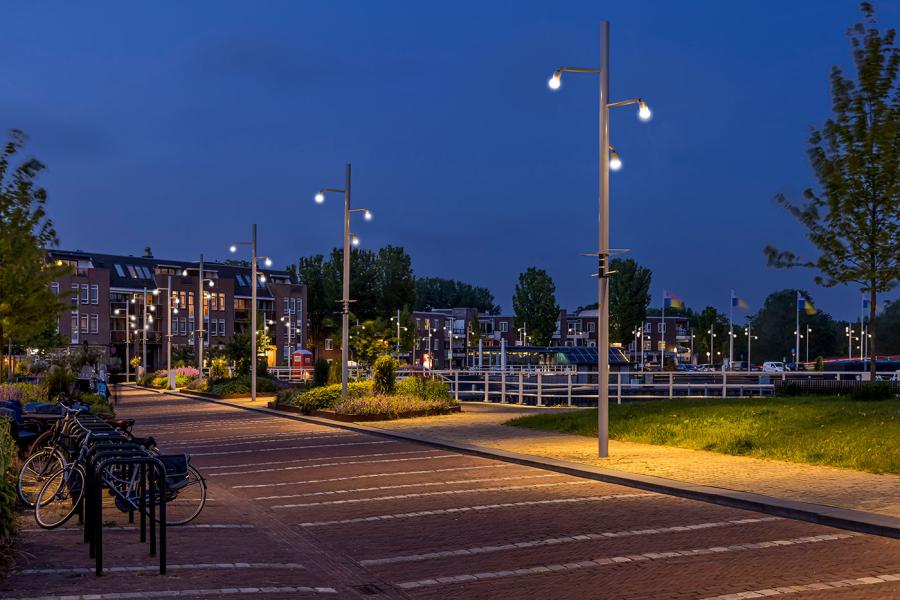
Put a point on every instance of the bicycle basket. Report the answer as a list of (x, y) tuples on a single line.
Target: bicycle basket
[(176, 470)]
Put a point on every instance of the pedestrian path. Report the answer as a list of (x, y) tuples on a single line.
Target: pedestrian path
[(482, 424)]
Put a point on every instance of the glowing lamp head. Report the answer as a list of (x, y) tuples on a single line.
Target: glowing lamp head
[(367, 215), (320, 198), (156, 292), (555, 81), (268, 262), (232, 248), (644, 113), (212, 283), (355, 241), (262, 278), (615, 163), (116, 312), (184, 273), (175, 310)]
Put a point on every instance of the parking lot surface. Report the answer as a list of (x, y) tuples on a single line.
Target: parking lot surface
[(302, 510)]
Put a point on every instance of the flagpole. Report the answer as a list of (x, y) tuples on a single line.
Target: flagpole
[(662, 354), (731, 333), (797, 333)]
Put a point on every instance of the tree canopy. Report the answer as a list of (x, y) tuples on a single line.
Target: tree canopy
[(534, 303), (437, 292), (853, 219)]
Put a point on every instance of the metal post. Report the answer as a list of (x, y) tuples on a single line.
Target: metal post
[(603, 250), (731, 332), (569, 388), (487, 383), (456, 385), (345, 298), (144, 342), (797, 332), (521, 385), (619, 387), (254, 354), (169, 333), (503, 387), (749, 337), (200, 319), (398, 333), (128, 340), (480, 355), (539, 389), (671, 376)]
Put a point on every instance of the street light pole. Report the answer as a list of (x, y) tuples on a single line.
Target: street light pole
[(807, 341), (144, 339), (128, 339), (201, 304), (254, 354), (169, 327)]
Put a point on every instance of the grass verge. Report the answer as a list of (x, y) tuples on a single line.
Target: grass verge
[(815, 430)]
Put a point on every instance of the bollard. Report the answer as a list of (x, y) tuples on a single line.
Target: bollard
[(521, 383), (487, 383), (569, 387), (539, 389)]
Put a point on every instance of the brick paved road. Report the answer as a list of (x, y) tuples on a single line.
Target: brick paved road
[(299, 510)]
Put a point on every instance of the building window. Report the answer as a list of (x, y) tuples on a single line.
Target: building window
[(84, 324), (74, 328), (591, 327), (119, 270), (85, 294), (222, 327), (287, 306), (648, 327), (55, 288), (329, 345), (74, 293), (95, 323), (661, 327), (95, 294), (435, 345), (183, 325), (504, 326), (287, 352)]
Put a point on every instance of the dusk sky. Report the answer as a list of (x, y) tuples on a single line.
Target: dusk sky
[(176, 125)]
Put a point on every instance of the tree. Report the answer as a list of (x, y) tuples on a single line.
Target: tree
[(888, 322), (710, 319), (629, 296), (408, 332), (28, 306), (774, 327), (854, 220), (321, 306), (436, 292), (396, 283), (534, 303), (368, 341)]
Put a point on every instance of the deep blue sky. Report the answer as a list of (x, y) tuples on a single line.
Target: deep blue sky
[(177, 124)]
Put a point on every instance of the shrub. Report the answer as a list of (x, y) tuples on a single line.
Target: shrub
[(239, 386), (425, 389), (187, 372), (323, 397), (391, 407), (146, 379), (320, 372), (384, 375), (8, 474), (23, 392), (159, 383), (218, 368), (874, 390), (97, 403), (59, 380), (820, 364)]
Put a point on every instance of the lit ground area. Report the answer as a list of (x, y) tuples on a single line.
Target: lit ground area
[(301, 510)]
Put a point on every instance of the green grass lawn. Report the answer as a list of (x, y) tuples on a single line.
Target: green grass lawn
[(817, 430)]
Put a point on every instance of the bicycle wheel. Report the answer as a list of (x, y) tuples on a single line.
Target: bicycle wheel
[(44, 440), (185, 502), (60, 497), (35, 472)]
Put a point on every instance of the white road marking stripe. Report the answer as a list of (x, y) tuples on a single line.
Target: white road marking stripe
[(263, 441), (602, 562), (368, 475), (135, 527), (260, 436), (349, 462), (462, 509), (810, 587), (182, 593), (296, 460), (255, 450), (406, 485), (153, 568), (583, 537), (507, 488)]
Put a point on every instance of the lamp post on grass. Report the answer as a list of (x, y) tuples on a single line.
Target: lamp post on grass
[(345, 297), (609, 159)]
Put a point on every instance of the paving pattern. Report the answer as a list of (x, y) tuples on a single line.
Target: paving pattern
[(304, 511)]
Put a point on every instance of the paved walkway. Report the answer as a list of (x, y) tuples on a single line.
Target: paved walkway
[(302, 510), (482, 424)]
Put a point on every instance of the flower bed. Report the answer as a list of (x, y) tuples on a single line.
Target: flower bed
[(235, 387)]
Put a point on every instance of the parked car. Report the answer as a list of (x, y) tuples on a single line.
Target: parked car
[(774, 366)]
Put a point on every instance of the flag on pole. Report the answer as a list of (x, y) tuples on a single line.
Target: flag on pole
[(805, 305), (738, 302), (670, 300)]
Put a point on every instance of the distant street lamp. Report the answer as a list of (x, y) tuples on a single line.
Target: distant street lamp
[(749, 337), (609, 159), (201, 306), (345, 297), (256, 280)]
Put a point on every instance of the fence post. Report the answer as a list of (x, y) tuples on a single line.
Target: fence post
[(503, 387), (618, 387), (671, 377), (539, 402), (487, 383), (569, 388), (521, 383), (456, 385), (724, 384)]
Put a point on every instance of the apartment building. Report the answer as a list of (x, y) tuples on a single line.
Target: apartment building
[(119, 302), (664, 338)]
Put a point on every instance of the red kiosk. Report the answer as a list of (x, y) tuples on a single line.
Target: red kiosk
[(301, 365)]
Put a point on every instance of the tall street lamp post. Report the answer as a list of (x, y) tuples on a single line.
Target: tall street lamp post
[(255, 281), (345, 298), (201, 305), (607, 160)]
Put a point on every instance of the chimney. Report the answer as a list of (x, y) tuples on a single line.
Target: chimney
[(148, 253)]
